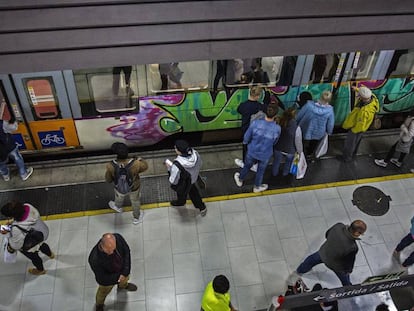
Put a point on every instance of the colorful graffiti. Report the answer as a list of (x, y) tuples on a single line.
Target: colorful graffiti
[(163, 115)]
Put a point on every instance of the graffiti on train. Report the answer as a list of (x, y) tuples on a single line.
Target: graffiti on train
[(163, 115)]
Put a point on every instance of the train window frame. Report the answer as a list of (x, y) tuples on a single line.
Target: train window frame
[(153, 77), (133, 99), (403, 74), (29, 97), (5, 107)]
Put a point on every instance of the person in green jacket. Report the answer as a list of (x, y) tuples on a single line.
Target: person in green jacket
[(359, 121), (216, 295)]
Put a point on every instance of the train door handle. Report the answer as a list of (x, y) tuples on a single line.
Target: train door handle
[(26, 137)]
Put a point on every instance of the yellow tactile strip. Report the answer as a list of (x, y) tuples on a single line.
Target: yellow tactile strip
[(236, 196)]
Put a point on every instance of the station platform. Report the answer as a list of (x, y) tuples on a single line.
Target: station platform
[(256, 240)]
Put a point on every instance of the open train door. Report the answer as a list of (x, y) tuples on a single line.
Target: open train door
[(45, 104), (9, 107)]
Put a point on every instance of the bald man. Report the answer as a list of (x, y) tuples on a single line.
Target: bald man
[(337, 253), (110, 260)]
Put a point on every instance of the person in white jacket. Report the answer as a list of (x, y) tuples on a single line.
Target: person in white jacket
[(25, 215), (402, 146)]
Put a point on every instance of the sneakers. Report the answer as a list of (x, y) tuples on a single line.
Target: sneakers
[(381, 162), (260, 188), (34, 271), (293, 278), (6, 177), (52, 255), (239, 163), (396, 162), (131, 287), (237, 179), (29, 172), (114, 207), (138, 220), (203, 212)]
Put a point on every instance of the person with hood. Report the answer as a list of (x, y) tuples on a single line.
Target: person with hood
[(406, 241), (260, 137), (110, 261), (316, 119), (184, 174), (25, 216), (402, 146), (338, 252), (359, 121)]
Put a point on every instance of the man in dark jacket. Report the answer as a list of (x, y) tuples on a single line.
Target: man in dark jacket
[(9, 149), (110, 260), (337, 253)]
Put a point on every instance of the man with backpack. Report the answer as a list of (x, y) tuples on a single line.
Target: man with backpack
[(124, 173), (184, 174)]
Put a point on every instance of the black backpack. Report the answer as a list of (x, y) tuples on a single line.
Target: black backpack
[(184, 183), (123, 177)]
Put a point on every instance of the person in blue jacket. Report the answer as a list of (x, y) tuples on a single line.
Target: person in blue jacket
[(260, 137), (316, 119)]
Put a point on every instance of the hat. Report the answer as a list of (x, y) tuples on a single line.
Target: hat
[(364, 92), (182, 146), (120, 149)]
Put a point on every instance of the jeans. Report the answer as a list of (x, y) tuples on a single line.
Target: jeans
[(134, 196), (18, 159), (277, 158), (35, 258), (315, 259), (261, 167), (407, 240)]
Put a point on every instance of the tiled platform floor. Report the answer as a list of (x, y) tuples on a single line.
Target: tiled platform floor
[(255, 241)]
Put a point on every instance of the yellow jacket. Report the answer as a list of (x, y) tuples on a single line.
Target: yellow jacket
[(361, 117), (213, 301)]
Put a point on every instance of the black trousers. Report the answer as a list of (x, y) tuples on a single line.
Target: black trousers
[(35, 258), (116, 71), (195, 197)]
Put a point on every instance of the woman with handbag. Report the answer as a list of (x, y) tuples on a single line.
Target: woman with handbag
[(26, 217)]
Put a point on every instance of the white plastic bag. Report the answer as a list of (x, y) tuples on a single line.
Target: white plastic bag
[(8, 257), (322, 148), (302, 166)]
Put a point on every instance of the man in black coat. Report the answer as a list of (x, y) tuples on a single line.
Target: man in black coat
[(110, 260), (337, 253)]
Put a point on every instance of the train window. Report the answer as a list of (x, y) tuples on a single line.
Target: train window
[(247, 71), (363, 65), (277, 70), (42, 97), (178, 76), (402, 63), (324, 68), (114, 90), (4, 109)]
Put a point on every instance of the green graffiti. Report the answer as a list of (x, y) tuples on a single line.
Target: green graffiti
[(198, 112)]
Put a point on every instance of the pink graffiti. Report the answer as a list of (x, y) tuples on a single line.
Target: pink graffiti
[(279, 89), (372, 84), (141, 128)]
